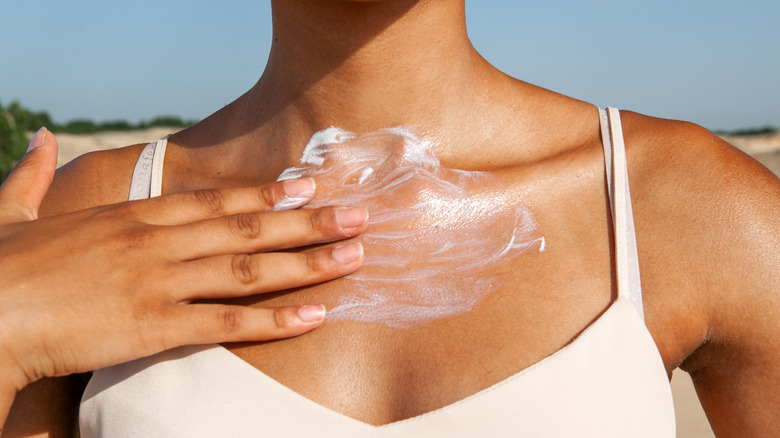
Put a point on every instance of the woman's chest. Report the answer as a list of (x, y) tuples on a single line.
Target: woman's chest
[(469, 278), (402, 347), (398, 349)]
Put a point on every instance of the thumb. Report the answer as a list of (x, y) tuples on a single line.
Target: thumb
[(22, 193)]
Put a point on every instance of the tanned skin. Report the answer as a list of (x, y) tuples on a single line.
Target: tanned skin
[(707, 216)]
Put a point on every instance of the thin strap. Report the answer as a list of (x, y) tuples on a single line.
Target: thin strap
[(147, 175), (142, 174), (627, 259), (157, 167)]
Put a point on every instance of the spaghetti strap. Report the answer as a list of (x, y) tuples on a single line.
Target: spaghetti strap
[(148, 171), (142, 174), (627, 259), (155, 188)]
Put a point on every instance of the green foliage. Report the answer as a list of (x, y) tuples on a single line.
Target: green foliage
[(751, 131), (116, 125), (13, 139), (78, 126), (16, 122), (27, 120), (170, 122)]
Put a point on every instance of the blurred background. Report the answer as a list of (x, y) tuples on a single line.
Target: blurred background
[(91, 66), (108, 74)]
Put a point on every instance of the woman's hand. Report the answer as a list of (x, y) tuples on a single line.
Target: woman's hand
[(110, 284)]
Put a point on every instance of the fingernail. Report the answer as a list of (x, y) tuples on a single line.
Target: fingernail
[(297, 193), (312, 313), (38, 139), (299, 188), (347, 253), (351, 217)]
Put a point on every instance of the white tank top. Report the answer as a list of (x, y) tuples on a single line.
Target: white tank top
[(608, 382)]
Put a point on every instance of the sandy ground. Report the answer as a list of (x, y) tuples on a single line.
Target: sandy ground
[(691, 421), (764, 148), (71, 146)]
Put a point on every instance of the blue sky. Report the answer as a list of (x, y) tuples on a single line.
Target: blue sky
[(715, 62)]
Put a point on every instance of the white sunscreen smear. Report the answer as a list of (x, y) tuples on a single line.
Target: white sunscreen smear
[(434, 233)]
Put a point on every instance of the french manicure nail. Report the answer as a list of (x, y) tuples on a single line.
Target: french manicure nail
[(299, 188), (38, 139), (312, 313), (297, 193), (347, 253), (351, 217)]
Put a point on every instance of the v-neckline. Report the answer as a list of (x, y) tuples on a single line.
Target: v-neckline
[(613, 307), (608, 128)]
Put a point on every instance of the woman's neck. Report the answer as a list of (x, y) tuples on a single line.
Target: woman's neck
[(364, 66)]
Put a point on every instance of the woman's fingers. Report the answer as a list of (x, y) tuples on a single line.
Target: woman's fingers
[(145, 259), (231, 276), (215, 323), (21, 194), (186, 207), (256, 232)]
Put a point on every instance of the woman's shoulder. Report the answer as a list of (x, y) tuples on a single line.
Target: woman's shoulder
[(708, 218), (94, 179), (688, 172), (708, 229), (690, 185)]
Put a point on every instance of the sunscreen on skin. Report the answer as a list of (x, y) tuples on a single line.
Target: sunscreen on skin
[(434, 232)]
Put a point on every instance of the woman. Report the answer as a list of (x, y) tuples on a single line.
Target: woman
[(706, 219)]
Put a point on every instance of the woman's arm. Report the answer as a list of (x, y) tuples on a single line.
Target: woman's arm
[(708, 218), (737, 370), (110, 284)]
